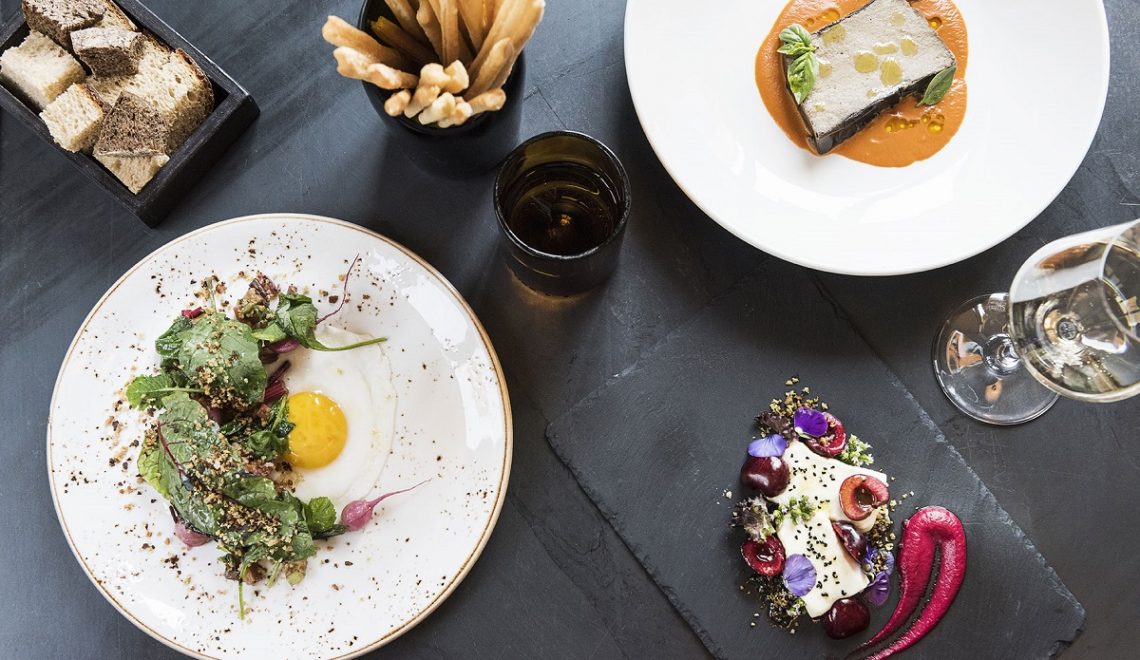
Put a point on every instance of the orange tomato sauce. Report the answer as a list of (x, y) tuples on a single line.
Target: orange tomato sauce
[(902, 135)]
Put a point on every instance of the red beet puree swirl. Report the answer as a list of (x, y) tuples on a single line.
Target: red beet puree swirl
[(930, 528)]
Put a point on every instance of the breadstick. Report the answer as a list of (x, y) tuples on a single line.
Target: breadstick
[(397, 102), (402, 41), (471, 11), (427, 19), (500, 56), (339, 33), (488, 101), (425, 95), (440, 108), (351, 63), (406, 16)]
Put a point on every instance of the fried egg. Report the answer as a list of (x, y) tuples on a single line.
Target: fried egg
[(343, 407)]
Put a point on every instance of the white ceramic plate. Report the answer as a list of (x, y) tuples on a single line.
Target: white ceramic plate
[(362, 589), (1037, 76)]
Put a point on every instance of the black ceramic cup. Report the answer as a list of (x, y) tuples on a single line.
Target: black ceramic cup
[(458, 151), (562, 201)]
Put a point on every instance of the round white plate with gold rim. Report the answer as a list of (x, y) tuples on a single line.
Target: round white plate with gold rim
[(1037, 76), (363, 589)]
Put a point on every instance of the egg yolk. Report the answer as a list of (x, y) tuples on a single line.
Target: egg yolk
[(319, 433)]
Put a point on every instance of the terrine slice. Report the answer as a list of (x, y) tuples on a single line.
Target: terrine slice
[(868, 62)]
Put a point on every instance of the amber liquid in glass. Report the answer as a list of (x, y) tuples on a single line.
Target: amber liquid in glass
[(562, 208)]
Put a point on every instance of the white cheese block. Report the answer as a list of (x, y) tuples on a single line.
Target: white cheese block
[(819, 478), (887, 30), (838, 575)]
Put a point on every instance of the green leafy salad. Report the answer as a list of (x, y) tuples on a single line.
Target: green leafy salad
[(218, 433)]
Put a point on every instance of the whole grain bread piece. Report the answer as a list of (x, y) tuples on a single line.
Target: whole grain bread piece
[(39, 70), (133, 128), (113, 16), (59, 18), (75, 118), (179, 89), (108, 51)]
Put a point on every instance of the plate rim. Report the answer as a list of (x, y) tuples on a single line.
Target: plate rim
[(1102, 96), (508, 428)]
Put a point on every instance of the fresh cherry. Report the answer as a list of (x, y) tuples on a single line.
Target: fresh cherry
[(860, 494), (767, 474), (765, 557), (832, 443), (847, 617), (853, 540)]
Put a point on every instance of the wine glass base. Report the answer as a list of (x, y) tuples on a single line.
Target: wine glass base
[(978, 369)]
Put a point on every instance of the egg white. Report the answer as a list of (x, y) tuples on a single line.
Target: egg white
[(360, 382)]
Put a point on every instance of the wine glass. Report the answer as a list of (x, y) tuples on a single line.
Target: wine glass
[(1070, 325)]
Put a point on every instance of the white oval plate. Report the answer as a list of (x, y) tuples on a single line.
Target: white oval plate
[(1037, 76), (362, 589)]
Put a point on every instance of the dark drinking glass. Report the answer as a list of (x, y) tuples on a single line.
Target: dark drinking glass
[(562, 201)]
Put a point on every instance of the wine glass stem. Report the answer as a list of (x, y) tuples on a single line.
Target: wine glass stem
[(1001, 356)]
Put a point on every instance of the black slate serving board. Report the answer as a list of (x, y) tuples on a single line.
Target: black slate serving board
[(657, 447), (234, 110)]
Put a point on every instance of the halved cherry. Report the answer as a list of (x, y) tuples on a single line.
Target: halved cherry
[(832, 443), (853, 540), (859, 495), (765, 557)]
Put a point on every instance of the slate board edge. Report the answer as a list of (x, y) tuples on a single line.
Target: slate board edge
[(552, 432)]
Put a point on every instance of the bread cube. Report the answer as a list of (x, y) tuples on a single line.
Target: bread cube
[(39, 70), (108, 51), (75, 118), (59, 18)]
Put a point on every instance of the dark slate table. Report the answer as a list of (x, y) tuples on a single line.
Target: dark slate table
[(555, 580)]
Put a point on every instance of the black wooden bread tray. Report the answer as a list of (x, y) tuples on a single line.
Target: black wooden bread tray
[(234, 110)]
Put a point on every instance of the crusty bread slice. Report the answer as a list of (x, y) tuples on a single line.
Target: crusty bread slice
[(134, 171), (59, 18), (133, 128), (75, 118), (108, 88), (39, 69), (113, 16)]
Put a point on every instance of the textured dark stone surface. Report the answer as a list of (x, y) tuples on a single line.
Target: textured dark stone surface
[(555, 581), (659, 449)]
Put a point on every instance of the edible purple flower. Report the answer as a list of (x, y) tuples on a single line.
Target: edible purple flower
[(773, 445), (880, 587), (809, 421), (799, 575), (877, 592)]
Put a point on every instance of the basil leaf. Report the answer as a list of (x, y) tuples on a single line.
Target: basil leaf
[(148, 390), (320, 515), (269, 334), (939, 85), (802, 74), (795, 40), (171, 341), (297, 316)]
